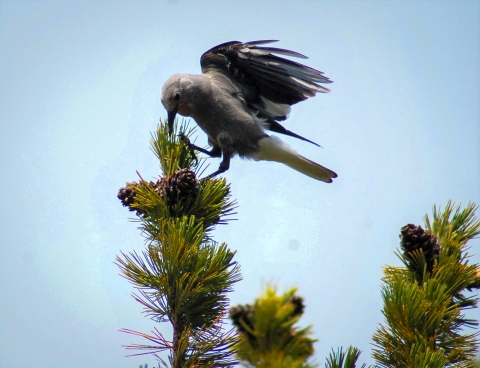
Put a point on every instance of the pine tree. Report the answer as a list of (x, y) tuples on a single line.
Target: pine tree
[(424, 301), (183, 275), (269, 336)]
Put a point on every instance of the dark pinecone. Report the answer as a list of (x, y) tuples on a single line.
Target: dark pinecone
[(127, 195), (241, 313), (297, 302), (181, 185), (414, 237), (157, 186)]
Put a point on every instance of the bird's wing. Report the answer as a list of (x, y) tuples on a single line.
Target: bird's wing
[(269, 83)]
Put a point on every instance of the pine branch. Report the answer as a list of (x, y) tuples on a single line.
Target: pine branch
[(344, 359), (453, 225), (424, 302), (183, 276), (270, 337)]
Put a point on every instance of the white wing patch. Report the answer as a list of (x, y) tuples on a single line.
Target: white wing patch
[(276, 109), (311, 86)]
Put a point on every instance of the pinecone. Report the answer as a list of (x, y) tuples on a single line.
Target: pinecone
[(157, 186), (127, 195), (414, 237), (181, 185), (241, 313), (299, 307)]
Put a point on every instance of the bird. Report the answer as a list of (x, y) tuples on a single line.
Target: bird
[(246, 89)]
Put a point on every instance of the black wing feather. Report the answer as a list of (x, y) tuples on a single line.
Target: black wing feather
[(259, 73)]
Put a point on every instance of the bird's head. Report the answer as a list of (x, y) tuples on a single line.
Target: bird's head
[(173, 97)]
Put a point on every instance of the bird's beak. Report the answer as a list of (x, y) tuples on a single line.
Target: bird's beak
[(171, 119)]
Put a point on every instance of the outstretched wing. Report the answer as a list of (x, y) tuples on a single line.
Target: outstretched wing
[(269, 83)]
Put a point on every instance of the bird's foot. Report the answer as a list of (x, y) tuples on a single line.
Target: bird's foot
[(191, 147)]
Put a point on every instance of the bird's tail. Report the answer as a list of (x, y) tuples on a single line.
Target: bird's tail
[(274, 149)]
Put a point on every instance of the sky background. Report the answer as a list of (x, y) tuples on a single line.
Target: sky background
[(80, 86)]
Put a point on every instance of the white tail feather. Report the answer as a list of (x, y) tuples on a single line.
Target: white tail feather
[(274, 149)]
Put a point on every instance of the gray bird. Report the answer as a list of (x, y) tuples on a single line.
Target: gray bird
[(244, 90)]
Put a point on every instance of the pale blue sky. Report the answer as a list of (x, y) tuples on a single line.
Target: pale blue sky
[(79, 96)]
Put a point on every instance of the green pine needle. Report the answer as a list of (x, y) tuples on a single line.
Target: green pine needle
[(274, 340), (453, 225), (171, 150), (424, 318), (183, 276), (344, 359)]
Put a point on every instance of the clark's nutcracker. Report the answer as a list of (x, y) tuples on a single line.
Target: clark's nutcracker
[(245, 89)]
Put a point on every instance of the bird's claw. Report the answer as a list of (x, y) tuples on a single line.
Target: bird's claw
[(190, 146), (183, 137)]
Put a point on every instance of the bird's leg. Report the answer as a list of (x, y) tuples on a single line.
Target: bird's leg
[(227, 149), (214, 152), (224, 166)]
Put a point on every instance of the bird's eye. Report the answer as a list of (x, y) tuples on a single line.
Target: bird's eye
[(176, 96)]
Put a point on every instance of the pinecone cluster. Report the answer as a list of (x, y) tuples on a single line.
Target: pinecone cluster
[(414, 237), (297, 302), (180, 186)]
